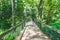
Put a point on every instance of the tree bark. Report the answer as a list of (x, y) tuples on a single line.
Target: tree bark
[(48, 18), (40, 8), (13, 12)]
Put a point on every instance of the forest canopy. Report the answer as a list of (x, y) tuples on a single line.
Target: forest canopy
[(14, 12)]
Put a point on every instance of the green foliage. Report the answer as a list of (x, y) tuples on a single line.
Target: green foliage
[(49, 10), (55, 25), (51, 33), (11, 35), (5, 15)]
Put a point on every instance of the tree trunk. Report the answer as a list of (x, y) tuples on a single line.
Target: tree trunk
[(40, 8), (13, 11), (48, 20)]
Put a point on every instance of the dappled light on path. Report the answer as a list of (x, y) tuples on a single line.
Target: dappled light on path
[(32, 32)]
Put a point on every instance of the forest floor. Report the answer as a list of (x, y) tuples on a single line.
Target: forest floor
[(32, 32)]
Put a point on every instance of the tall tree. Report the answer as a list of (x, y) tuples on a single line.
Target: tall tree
[(48, 18), (40, 9), (13, 11)]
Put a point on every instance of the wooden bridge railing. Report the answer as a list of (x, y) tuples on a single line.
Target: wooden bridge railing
[(20, 26), (40, 25), (50, 27)]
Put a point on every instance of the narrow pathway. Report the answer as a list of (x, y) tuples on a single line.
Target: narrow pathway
[(32, 32)]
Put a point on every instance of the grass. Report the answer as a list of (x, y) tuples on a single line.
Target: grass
[(2, 30), (55, 25), (53, 35), (11, 35)]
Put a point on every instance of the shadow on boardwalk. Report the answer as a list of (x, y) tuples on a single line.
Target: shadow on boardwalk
[(32, 32), (53, 35)]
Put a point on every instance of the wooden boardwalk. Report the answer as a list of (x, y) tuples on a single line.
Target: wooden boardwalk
[(32, 32)]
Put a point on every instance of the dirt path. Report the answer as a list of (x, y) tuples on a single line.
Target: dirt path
[(32, 32)]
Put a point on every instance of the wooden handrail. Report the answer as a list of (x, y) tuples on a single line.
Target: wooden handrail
[(9, 30), (58, 31), (22, 33), (50, 27)]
